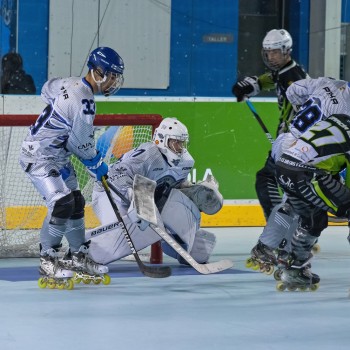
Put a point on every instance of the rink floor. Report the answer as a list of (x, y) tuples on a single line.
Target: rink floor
[(238, 309)]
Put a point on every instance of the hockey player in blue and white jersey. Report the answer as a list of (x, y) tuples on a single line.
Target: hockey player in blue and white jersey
[(167, 161), (65, 127), (315, 100)]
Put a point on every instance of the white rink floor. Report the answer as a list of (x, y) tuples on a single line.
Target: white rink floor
[(240, 309)]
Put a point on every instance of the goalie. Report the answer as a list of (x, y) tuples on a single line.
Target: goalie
[(167, 161)]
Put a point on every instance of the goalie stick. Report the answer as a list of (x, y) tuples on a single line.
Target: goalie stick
[(146, 210), (149, 271), (261, 123)]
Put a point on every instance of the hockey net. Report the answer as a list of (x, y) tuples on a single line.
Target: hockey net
[(22, 210)]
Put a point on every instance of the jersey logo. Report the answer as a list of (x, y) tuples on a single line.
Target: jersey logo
[(86, 146), (330, 95), (176, 162)]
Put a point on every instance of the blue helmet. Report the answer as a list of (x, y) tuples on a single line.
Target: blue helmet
[(107, 60)]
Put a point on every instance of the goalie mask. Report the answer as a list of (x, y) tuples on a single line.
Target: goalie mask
[(277, 46), (108, 65), (171, 137)]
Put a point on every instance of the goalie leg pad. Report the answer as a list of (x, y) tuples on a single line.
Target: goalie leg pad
[(108, 241), (181, 217), (203, 246), (102, 207), (171, 252)]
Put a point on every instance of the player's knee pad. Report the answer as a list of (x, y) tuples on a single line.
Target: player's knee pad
[(79, 205), (63, 210), (203, 246), (181, 217)]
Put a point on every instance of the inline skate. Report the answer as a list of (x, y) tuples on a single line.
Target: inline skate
[(53, 273), (85, 269), (262, 258), (297, 276)]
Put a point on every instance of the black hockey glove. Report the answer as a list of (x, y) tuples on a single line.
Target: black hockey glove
[(247, 87)]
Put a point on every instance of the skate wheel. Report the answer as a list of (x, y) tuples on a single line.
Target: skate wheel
[(269, 270), (96, 281), (303, 289), (86, 281), (280, 286), (277, 275), (60, 285), (42, 283), (314, 287), (106, 279), (292, 288), (316, 248), (255, 267), (51, 283), (77, 280), (69, 284), (249, 263)]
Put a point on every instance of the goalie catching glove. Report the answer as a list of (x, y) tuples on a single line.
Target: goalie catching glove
[(247, 87), (205, 195), (95, 166)]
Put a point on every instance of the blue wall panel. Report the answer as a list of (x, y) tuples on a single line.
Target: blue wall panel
[(33, 24)]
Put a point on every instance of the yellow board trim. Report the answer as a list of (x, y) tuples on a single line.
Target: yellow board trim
[(26, 217), (29, 218)]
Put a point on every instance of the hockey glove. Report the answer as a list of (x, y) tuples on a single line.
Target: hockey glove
[(247, 87), (95, 166)]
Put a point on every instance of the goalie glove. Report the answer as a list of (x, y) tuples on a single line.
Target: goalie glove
[(247, 87), (205, 195), (95, 166)]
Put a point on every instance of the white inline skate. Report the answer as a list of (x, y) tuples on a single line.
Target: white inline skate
[(53, 274), (86, 270)]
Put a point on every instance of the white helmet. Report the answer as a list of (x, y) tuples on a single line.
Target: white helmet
[(171, 129), (277, 39)]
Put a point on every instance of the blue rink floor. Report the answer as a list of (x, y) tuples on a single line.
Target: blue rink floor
[(238, 309)]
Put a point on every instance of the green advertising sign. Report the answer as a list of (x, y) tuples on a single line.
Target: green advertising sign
[(225, 138)]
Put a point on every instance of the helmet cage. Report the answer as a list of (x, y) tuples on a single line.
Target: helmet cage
[(107, 64), (172, 139)]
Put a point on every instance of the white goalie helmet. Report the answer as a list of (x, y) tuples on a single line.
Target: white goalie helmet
[(172, 138), (276, 48)]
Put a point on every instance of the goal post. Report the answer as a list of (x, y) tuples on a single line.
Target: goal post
[(22, 210)]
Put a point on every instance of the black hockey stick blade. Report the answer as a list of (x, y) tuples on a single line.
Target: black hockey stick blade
[(152, 271), (147, 270)]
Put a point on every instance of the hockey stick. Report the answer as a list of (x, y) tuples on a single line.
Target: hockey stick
[(261, 123), (150, 271), (146, 210)]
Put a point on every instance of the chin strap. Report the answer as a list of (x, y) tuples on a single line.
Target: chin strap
[(98, 82)]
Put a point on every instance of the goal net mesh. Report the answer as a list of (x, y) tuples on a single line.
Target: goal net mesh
[(22, 210)]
